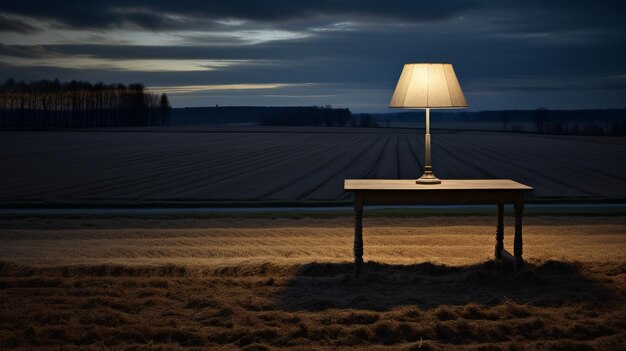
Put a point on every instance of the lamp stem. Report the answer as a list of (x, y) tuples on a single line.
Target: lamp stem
[(428, 177), (428, 165)]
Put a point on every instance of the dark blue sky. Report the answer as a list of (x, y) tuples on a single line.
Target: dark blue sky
[(507, 54)]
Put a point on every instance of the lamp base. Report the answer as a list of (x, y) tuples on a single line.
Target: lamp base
[(428, 178)]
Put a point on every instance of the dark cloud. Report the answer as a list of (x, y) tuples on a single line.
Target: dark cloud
[(185, 14), (555, 16), (521, 53), (27, 51), (12, 24), (531, 15)]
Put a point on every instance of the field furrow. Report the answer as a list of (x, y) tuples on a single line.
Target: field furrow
[(290, 163), (330, 184)]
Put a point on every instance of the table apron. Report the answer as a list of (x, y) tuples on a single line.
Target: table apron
[(439, 197)]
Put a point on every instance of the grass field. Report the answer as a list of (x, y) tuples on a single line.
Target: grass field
[(239, 163), (262, 283)]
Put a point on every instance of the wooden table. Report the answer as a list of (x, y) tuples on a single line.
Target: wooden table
[(449, 192)]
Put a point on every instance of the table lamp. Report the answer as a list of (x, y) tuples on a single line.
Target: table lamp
[(428, 85)]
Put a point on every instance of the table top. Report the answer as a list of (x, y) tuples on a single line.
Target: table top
[(446, 184)]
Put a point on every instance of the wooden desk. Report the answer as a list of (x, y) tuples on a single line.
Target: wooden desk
[(449, 192)]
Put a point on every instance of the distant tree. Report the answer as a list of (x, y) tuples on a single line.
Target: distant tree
[(505, 119), (329, 115), (618, 129), (517, 128), (541, 114), (557, 128), (367, 121), (591, 128), (166, 109), (306, 116), (343, 119), (343, 116)]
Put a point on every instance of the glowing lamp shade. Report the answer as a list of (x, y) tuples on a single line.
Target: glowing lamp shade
[(428, 85)]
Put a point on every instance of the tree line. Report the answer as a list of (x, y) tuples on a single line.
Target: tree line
[(610, 122), (307, 116), (50, 104)]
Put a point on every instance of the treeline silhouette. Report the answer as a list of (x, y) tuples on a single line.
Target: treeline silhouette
[(611, 122), (264, 115), (50, 104), (307, 116)]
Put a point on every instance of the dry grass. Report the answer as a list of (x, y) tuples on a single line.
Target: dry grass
[(285, 284), (235, 241)]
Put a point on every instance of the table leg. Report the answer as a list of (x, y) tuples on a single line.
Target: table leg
[(500, 232), (358, 235), (517, 241)]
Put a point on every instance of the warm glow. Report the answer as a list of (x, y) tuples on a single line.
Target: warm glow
[(428, 85)]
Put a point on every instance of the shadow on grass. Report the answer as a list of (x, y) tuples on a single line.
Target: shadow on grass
[(321, 286)]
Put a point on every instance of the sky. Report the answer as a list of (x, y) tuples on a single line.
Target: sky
[(344, 53)]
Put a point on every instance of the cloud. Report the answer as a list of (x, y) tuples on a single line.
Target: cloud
[(25, 51), (143, 65), (165, 15), (185, 89), (158, 15), (15, 24), (352, 51)]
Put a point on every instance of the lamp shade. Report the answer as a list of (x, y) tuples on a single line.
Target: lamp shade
[(428, 85)]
